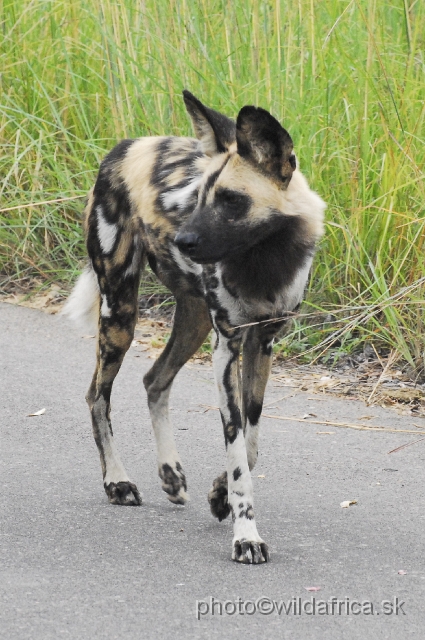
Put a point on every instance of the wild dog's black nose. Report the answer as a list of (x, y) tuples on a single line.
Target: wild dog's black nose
[(186, 242)]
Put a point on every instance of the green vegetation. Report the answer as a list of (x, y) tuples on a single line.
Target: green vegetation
[(346, 77)]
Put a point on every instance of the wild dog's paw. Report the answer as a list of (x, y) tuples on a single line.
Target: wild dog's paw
[(218, 497), (174, 483), (124, 493), (250, 552)]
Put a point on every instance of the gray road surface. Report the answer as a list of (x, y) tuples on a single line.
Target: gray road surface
[(72, 566)]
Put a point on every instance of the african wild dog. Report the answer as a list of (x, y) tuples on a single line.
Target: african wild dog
[(228, 223)]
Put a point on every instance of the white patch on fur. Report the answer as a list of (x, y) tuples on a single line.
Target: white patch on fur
[(115, 471), (185, 264), (232, 305), (82, 306), (106, 231), (179, 197), (133, 268), (251, 443), (294, 292), (105, 309), (163, 431)]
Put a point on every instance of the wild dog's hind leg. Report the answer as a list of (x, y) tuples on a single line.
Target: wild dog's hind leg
[(248, 547), (191, 327), (116, 330), (117, 265)]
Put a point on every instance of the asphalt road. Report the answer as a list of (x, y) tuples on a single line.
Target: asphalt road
[(73, 566)]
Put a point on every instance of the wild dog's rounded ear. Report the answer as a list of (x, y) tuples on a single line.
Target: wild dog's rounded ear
[(215, 131), (264, 142)]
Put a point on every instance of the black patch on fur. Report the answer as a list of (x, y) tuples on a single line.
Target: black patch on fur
[(231, 427), (152, 262), (237, 473), (253, 411), (210, 182), (117, 153), (171, 482), (218, 498), (263, 270), (268, 332), (123, 493), (266, 349), (247, 513), (110, 190)]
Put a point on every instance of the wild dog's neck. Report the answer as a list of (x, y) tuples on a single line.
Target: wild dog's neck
[(267, 268)]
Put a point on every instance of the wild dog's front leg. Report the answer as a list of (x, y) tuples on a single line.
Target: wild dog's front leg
[(191, 326), (248, 547), (170, 468), (257, 362)]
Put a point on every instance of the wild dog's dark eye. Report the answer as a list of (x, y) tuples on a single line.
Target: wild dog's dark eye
[(233, 198), (235, 203), (225, 196)]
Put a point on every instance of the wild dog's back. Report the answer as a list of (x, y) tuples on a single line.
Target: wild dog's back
[(144, 191)]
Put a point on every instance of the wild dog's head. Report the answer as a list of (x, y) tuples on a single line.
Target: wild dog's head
[(244, 196)]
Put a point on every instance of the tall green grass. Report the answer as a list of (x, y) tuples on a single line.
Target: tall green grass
[(346, 77)]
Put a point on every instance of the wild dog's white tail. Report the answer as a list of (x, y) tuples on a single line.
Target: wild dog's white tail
[(82, 305)]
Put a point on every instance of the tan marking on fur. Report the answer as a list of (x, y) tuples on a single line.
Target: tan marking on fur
[(180, 148), (125, 245), (112, 205), (214, 164), (128, 308), (176, 177), (201, 164), (117, 337), (136, 169)]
